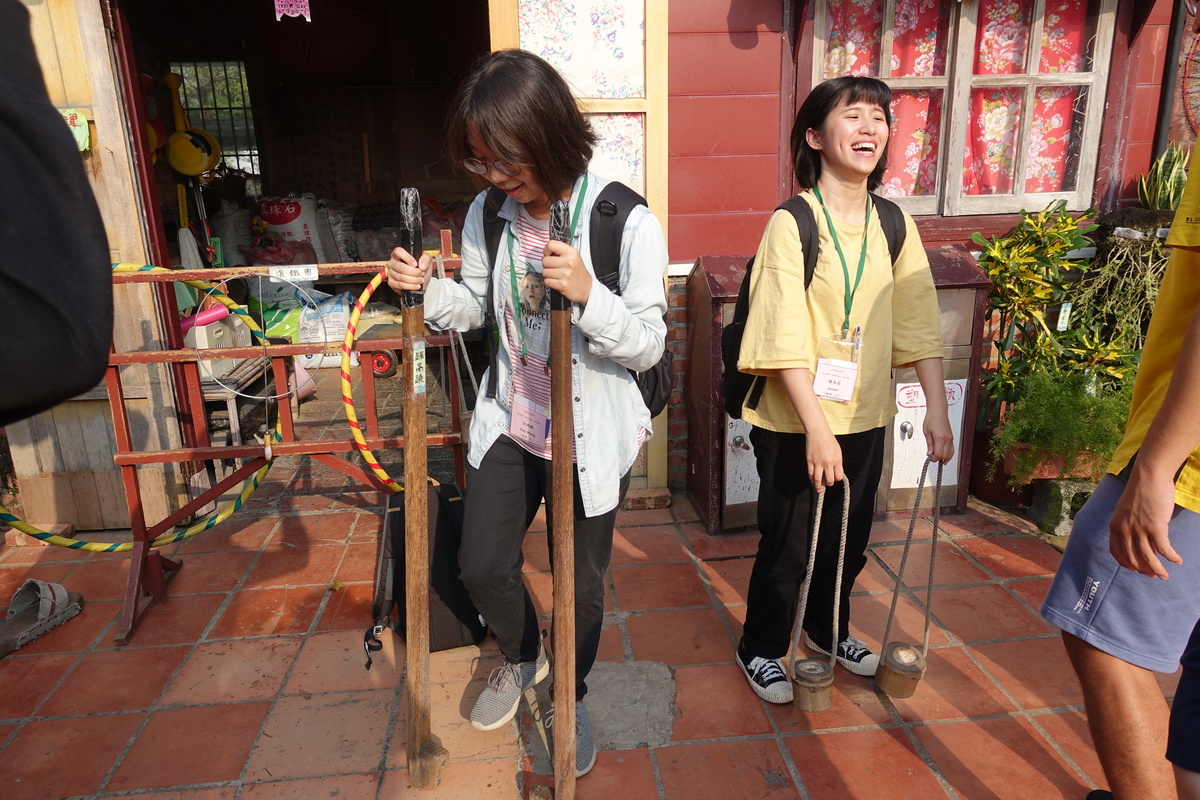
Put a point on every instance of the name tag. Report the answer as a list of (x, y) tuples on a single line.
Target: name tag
[(835, 379)]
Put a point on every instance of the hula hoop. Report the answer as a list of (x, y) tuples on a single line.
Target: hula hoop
[(347, 398), (249, 486)]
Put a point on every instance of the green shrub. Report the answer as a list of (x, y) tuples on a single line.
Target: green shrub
[(1067, 415)]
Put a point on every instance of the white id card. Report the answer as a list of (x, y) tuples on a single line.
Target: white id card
[(530, 422), (835, 379), (837, 369)]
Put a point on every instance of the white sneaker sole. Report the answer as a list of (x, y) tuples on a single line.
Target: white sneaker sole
[(865, 668), (779, 696), (542, 673)]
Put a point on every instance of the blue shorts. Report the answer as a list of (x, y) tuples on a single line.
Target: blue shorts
[(1145, 621), (1183, 743)]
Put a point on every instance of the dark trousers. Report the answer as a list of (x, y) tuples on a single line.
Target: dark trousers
[(786, 511), (502, 498)]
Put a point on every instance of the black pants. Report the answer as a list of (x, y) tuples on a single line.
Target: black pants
[(502, 498), (786, 510)]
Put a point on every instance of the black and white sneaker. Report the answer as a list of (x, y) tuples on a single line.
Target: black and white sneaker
[(852, 654), (766, 677)]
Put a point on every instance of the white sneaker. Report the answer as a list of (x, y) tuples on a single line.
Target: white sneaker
[(852, 654), (766, 677)]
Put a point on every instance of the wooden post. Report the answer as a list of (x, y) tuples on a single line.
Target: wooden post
[(563, 481), (426, 758)]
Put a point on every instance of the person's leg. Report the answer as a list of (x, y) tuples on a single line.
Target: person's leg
[(497, 512), (593, 551), (1183, 738), (1127, 717), (1118, 626), (862, 462), (785, 517), (1187, 784), (593, 537), (503, 497)]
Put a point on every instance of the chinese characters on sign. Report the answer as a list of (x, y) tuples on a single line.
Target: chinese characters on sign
[(293, 272)]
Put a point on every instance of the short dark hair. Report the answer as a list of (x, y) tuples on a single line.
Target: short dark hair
[(815, 109), (525, 112)]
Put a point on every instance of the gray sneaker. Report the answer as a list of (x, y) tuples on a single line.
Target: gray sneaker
[(498, 703), (585, 742)]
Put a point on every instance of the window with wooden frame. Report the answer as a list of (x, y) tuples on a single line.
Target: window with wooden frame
[(997, 104), (215, 97)]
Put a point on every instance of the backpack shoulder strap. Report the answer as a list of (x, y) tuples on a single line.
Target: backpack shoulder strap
[(806, 224), (891, 218), (493, 228), (607, 224)]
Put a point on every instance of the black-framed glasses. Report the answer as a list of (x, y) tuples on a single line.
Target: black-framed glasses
[(482, 167)]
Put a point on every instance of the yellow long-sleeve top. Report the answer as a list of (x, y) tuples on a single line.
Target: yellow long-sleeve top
[(894, 305)]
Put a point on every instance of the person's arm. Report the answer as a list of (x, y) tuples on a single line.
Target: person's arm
[(1138, 530), (55, 271), (822, 451), (939, 438), (449, 304)]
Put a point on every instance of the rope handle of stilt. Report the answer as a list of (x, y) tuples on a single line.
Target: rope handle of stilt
[(808, 572), (458, 349), (912, 525)]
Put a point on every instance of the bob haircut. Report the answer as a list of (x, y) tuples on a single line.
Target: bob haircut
[(817, 107), (524, 111)]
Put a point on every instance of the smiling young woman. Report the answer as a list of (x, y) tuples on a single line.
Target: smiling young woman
[(827, 350)]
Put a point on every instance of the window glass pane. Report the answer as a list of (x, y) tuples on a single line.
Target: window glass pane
[(1067, 36), (913, 143), (993, 125), (852, 41), (1055, 135), (919, 43), (1002, 40), (215, 98)]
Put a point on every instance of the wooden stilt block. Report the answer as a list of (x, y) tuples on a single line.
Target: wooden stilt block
[(812, 684), (900, 669), (426, 770)]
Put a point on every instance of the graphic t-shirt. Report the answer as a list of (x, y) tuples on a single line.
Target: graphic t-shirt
[(528, 331)]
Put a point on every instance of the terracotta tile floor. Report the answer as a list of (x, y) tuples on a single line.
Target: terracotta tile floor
[(249, 681), (248, 684)]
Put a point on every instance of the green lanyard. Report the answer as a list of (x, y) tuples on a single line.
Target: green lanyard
[(862, 257), (512, 268)]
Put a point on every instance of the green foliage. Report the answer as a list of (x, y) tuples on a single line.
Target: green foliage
[(1118, 292), (1162, 186), (1031, 272), (1062, 415)]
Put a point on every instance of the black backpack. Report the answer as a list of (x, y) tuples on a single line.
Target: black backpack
[(606, 225), (742, 386), (453, 618)]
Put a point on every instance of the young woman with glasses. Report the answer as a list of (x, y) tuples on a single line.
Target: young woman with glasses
[(514, 125), (827, 350)]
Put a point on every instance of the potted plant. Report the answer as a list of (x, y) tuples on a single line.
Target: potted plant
[(1032, 269), (1065, 424)]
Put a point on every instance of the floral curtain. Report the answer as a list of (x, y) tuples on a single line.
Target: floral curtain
[(919, 47), (1002, 45)]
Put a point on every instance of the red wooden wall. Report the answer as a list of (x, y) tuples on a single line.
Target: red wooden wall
[(725, 61)]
